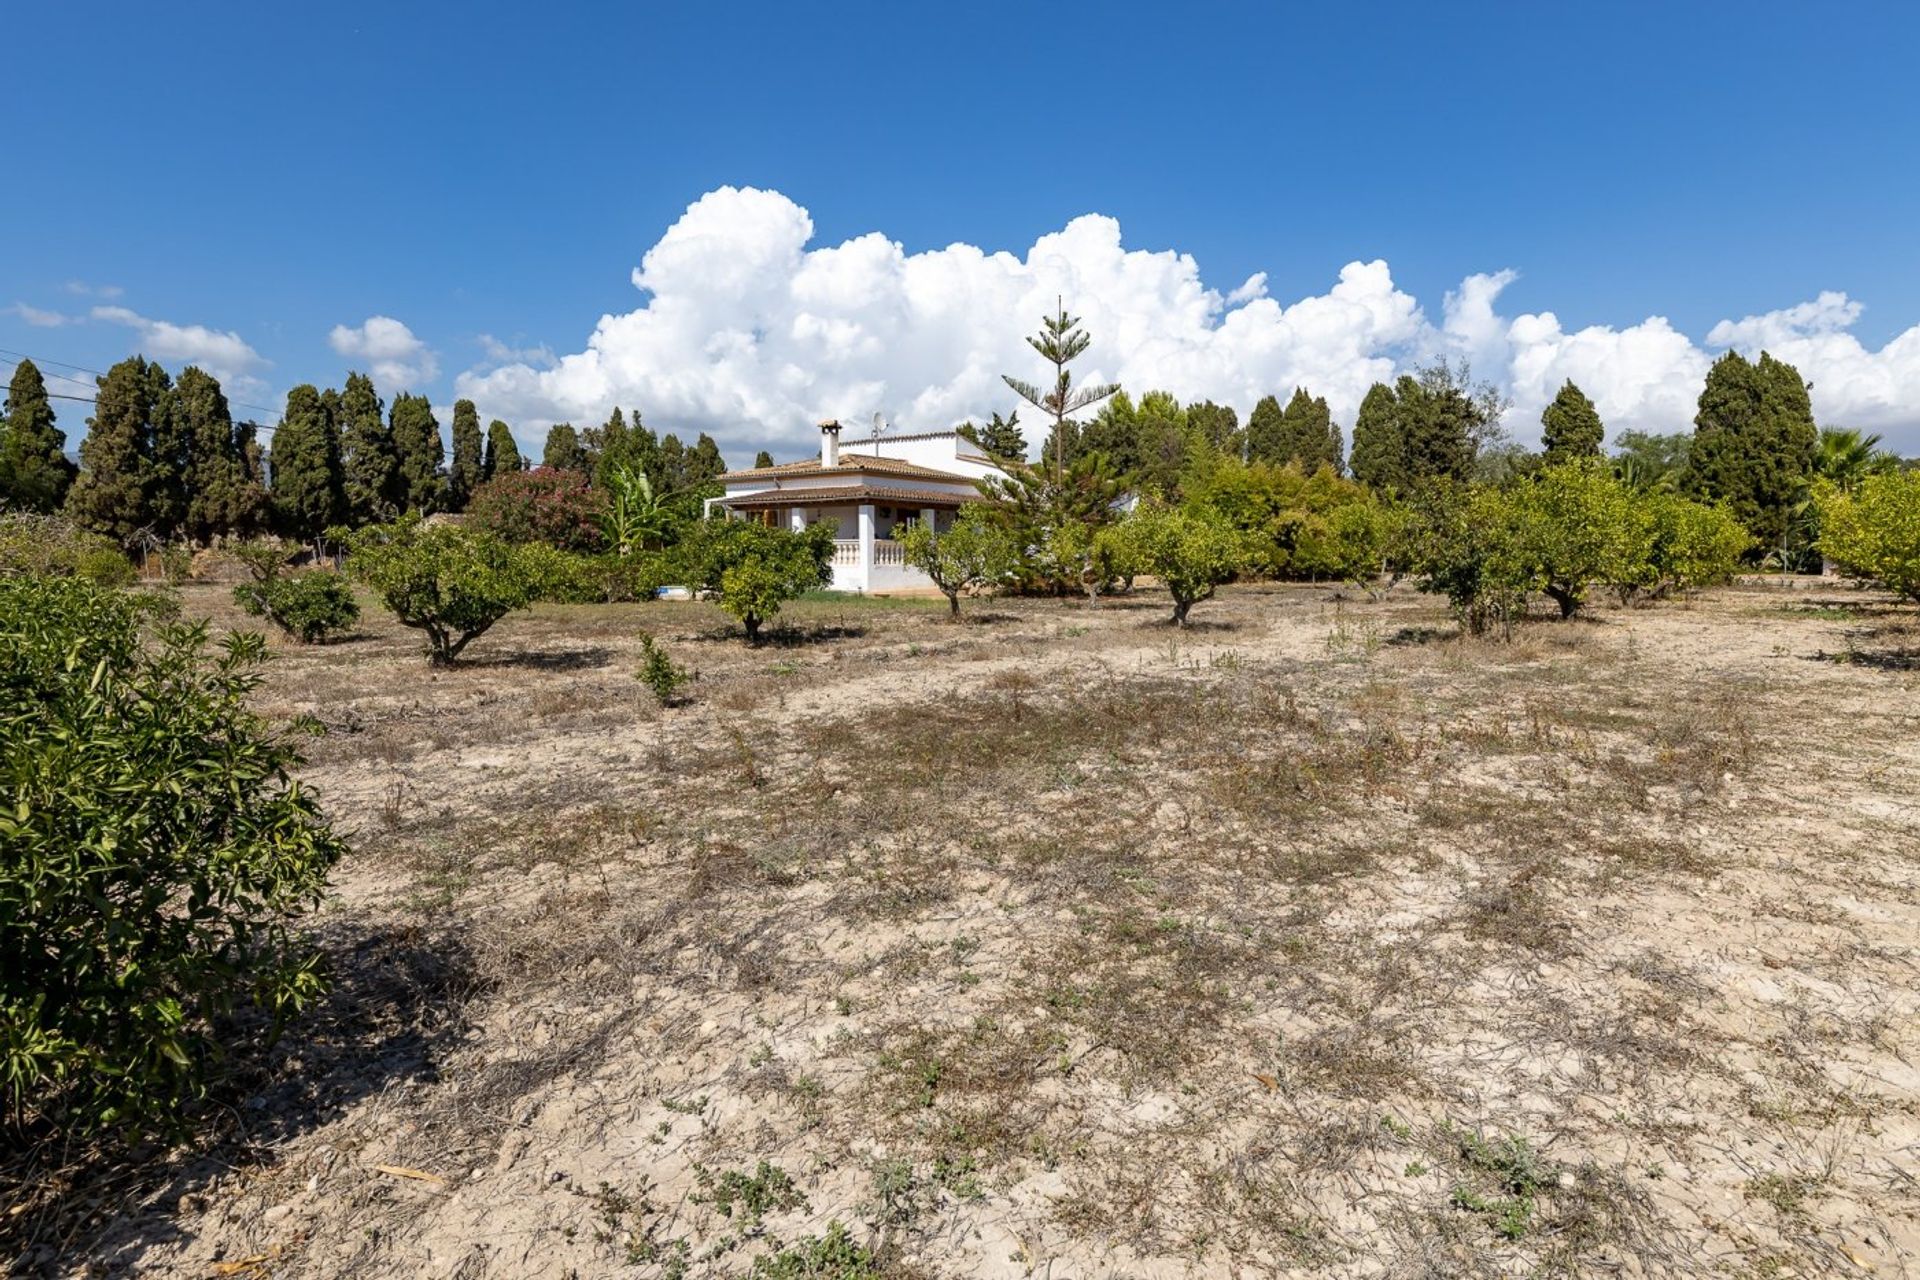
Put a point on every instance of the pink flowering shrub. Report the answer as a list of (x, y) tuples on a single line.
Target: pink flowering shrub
[(557, 508)]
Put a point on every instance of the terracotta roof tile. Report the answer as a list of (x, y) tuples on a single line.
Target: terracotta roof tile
[(879, 465), (833, 495)]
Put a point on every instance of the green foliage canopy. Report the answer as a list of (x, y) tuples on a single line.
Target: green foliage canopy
[(155, 851)]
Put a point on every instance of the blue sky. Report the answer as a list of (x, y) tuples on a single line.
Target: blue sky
[(264, 173)]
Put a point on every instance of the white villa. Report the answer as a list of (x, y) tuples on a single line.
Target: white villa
[(926, 477)]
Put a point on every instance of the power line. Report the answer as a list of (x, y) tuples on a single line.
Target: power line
[(57, 395), (80, 368)]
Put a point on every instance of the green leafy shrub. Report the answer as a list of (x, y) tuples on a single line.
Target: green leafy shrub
[(312, 607), (1690, 545), (1568, 526), (1298, 524), (659, 672), (564, 577), (975, 551), (50, 546), (557, 507), (755, 568), (176, 564), (1459, 540), (450, 581), (1191, 553), (1873, 533), (154, 853)]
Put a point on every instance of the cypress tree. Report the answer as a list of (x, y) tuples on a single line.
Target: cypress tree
[(110, 494), (503, 452), (369, 467), (1264, 428), (1754, 442), (309, 491), (420, 453), (1379, 453), (1306, 434), (762, 459), (34, 471), (1218, 426), (1442, 418), (704, 463), (167, 460), (1571, 426), (999, 438), (468, 456), (1114, 431), (222, 500), (563, 451), (673, 463), (620, 445)]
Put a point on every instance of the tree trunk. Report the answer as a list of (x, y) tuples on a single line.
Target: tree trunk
[(1180, 608), (752, 624), (1567, 598), (953, 605)]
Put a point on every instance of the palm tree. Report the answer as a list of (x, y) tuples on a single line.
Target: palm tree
[(1847, 456)]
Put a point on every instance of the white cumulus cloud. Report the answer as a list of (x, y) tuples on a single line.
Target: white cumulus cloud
[(42, 319), (223, 353), (749, 331), (395, 358)]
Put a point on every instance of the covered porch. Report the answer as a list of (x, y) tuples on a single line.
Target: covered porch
[(866, 558)]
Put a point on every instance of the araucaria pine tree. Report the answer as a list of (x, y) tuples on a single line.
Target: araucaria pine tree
[(469, 458), (1754, 442), (417, 446), (110, 495), (503, 452), (34, 472), (1571, 427), (222, 499), (370, 470), (1060, 341), (307, 489)]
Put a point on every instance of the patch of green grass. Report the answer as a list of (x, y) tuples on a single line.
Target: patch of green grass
[(1511, 1176), (768, 1189), (833, 1256)]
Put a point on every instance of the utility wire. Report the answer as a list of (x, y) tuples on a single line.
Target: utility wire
[(57, 395), (80, 368)]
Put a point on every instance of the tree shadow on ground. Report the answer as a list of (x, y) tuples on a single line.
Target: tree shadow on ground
[(586, 659), (782, 637), (394, 1006), (1413, 636), (1870, 648)]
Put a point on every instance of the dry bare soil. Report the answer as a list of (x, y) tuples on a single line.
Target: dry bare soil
[(1314, 941)]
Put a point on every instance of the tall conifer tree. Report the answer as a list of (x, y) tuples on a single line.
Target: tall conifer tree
[(420, 453), (34, 471), (1060, 342), (1379, 455), (110, 494), (1754, 442), (1570, 426), (308, 488), (503, 451), (222, 500), (1266, 427), (1306, 434), (563, 451), (464, 476), (369, 467)]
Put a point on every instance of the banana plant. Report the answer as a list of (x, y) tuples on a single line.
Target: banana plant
[(638, 518)]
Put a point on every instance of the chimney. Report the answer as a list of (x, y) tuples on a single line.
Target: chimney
[(830, 443)]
